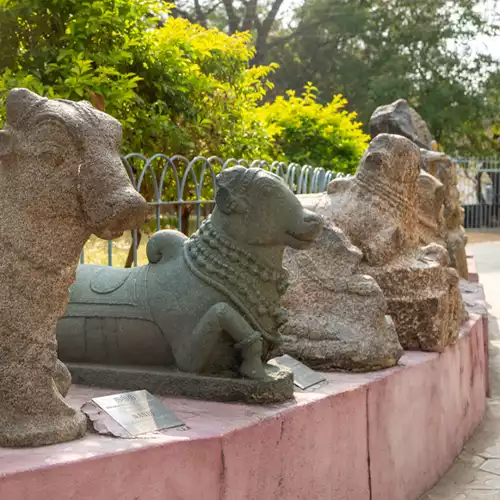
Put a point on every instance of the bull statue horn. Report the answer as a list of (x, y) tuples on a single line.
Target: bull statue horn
[(228, 197), (17, 104)]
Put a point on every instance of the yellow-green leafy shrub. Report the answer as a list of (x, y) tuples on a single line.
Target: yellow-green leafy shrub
[(307, 132)]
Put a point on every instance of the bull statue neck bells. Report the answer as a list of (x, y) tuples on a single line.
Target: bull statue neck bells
[(61, 179), (201, 319)]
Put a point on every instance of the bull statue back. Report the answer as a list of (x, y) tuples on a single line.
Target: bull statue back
[(207, 305)]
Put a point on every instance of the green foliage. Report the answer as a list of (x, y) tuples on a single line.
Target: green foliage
[(377, 51), (180, 89), (70, 48), (306, 132), (201, 89), (177, 88)]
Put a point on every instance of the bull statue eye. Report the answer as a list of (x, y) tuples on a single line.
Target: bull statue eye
[(50, 157), (267, 187)]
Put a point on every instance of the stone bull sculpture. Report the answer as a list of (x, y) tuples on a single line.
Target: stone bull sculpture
[(61, 179), (209, 304)]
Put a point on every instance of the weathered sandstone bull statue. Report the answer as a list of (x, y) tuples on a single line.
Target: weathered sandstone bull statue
[(61, 179), (208, 304), (378, 210)]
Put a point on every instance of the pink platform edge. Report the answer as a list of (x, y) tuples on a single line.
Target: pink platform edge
[(387, 435), (472, 269)]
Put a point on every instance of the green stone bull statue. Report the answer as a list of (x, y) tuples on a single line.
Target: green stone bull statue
[(208, 304)]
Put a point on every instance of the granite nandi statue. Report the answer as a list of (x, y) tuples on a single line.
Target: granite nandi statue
[(208, 304), (61, 179)]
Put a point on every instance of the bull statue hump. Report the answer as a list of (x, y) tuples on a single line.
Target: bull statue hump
[(61, 180), (204, 306)]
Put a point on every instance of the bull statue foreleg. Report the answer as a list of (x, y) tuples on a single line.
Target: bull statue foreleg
[(221, 319)]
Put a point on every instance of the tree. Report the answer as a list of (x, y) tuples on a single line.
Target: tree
[(177, 87), (376, 51), (260, 17), (180, 89)]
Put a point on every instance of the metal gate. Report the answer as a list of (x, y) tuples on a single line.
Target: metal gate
[(479, 187)]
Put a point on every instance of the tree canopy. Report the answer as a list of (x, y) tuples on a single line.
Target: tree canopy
[(260, 17), (376, 51), (192, 80), (177, 87)]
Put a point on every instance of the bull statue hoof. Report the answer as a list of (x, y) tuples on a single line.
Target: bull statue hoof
[(202, 317), (61, 180)]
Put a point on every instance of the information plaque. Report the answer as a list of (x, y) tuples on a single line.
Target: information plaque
[(303, 376), (136, 413)]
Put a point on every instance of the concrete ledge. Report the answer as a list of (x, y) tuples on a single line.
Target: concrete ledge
[(475, 303), (420, 418), (471, 266), (382, 436)]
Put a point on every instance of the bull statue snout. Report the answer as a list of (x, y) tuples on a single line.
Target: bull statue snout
[(269, 213), (306, 230), (113, 205), (112, 213)]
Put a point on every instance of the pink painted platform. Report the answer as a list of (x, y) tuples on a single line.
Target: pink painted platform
[(380, 436), (472, 268)]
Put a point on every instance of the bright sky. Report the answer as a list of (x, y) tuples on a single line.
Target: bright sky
[(490, 44)]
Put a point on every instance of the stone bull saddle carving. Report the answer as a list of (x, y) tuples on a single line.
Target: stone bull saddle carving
[(209, 304), (61, 179)]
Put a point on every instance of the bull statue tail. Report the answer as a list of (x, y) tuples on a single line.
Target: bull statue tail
[(165, 245)]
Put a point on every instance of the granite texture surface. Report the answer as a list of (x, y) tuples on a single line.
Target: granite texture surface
[(61, 179), (377, 209), (337, 316), (401, 119), (445, 225)]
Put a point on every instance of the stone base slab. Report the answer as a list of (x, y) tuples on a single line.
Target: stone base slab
[(277, 388), (387, 435)]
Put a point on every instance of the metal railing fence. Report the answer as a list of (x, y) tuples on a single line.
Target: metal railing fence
[(479, 188), (181, 192)]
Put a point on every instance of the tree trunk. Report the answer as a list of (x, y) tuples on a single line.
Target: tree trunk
[(130, 256), (185, 215)]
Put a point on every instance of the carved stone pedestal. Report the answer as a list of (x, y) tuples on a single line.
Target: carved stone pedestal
[(277, 387), (423, 298)]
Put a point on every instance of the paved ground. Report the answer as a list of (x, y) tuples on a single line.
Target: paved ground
[(483, 236), (476, 473)]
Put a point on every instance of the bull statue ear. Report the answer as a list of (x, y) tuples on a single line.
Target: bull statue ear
[(228, 202), (5, 143), (18, 102)]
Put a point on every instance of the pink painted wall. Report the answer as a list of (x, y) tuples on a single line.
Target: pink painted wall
[(396, 431), (420, 418), (471, 265)]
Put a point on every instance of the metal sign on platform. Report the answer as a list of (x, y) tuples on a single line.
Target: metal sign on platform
[(136, 413), (303, 376)]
